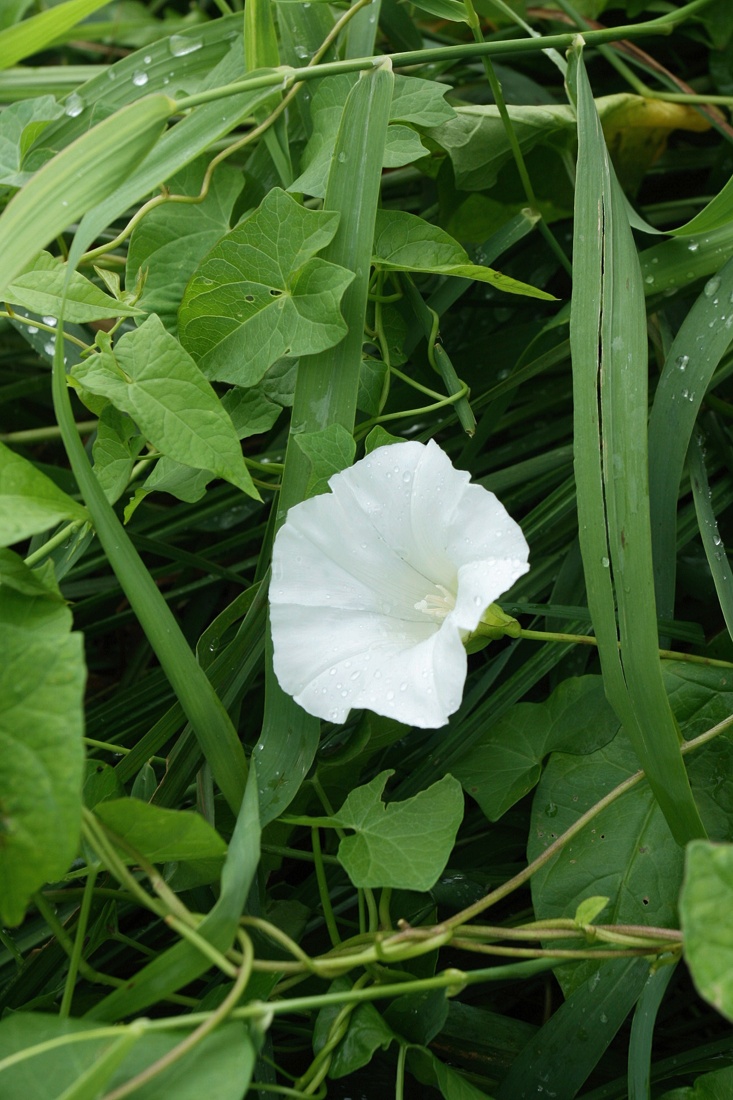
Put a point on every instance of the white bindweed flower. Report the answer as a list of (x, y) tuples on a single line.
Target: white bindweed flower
[(376, 585)]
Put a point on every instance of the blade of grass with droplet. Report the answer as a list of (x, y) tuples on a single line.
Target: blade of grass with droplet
[(695, 353), (609, 351), (711, 540), (362, 31), (326, 393), (80, 176)]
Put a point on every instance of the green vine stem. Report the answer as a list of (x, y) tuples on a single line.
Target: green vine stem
[(525, 875), (475, 25), (207, 1025), (285, 76)]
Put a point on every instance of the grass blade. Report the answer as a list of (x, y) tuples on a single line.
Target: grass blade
[(34, 34), (609, 350), (697, 349), (81, 176), (711, 540)]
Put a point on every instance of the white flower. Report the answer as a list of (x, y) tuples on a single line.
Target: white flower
[(376, 585)]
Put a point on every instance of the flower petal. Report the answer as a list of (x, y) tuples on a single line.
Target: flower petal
[(481, 529), (328, 554), (375, 585), (480, 583), (412, 672)]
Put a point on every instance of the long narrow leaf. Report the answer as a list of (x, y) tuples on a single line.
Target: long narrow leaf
[(609, 350), (711, 540), (34, 34), (83, 174), (697, 349)]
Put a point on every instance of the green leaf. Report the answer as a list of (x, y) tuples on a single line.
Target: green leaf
[(251, 411), (420, 102), (42, 285), (262, 293), (477, 144), (161, 835), (34, 34), (563, 1053), (41, 724), (329, 451), (117, 445), (712, 542), (101, 783), (29, 501), (372, 378), (506, 762), (149, 376), (415, 101), (168, 476), (715, 215), (717, 1085), (221, 1063), (183, 963), (609, 348), (404, 242), (693, 356), (453, 10), (429, 1070), (706, 898), (627, 852), (366, 1034), (170, 241), (83, 174), (589, 909), (401, 844), (20, 125), (380, 437), (418, 1017)]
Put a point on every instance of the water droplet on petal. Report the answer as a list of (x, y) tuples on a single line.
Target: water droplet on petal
[(139, 79), (711, 287)]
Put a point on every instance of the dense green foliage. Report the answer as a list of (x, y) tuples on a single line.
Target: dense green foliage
[(245, 244)]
